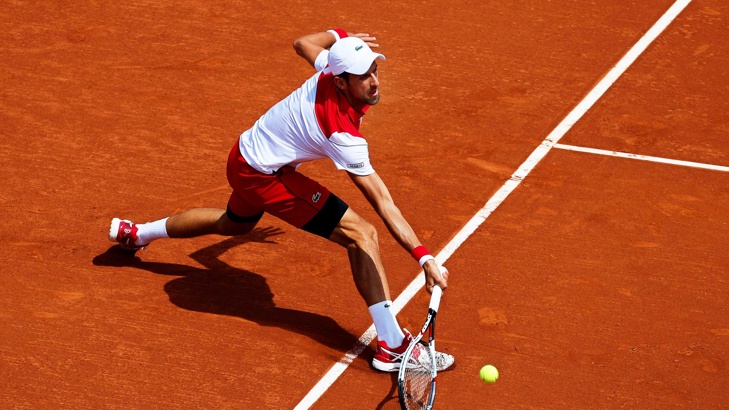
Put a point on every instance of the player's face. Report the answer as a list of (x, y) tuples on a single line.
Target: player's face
[(365, 88)]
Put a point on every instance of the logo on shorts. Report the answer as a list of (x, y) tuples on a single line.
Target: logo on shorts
[(357, 165), (316, 197)]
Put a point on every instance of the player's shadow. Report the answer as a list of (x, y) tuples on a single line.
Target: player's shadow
[(226, 290)]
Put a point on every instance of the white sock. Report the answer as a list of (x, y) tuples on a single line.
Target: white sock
[(150, 231), (388, 330)]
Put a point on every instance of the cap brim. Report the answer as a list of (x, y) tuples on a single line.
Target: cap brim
[(364, 64)]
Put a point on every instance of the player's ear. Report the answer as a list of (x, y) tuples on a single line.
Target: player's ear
[(340, 83)]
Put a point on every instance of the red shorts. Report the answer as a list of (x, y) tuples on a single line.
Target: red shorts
[(286, 194)]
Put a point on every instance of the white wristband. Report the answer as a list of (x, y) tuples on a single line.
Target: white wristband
[(425, 259), (334, 32)]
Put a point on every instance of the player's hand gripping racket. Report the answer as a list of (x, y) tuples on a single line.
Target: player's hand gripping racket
[(416, 379)]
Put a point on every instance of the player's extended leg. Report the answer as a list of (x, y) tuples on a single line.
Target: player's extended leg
[(205, 221), (188, 224), (199, 221)]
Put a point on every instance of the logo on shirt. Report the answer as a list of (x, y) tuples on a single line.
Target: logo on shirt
[(358, 48), (357, 165), (316, 197)]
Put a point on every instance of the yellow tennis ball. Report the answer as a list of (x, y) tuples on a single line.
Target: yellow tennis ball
[(489, 374)]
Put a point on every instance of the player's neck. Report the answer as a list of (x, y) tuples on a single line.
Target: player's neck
[(357, 105)]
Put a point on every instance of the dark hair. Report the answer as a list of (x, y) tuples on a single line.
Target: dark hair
[(344, 76)]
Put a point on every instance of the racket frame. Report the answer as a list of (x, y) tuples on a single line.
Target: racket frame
[(428, 326)]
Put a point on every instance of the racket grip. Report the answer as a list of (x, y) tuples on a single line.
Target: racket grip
[(435, 298)]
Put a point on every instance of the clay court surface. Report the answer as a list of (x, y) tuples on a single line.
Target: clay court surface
[(600, 282)]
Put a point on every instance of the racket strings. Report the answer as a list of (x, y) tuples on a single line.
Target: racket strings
[(417, 378)]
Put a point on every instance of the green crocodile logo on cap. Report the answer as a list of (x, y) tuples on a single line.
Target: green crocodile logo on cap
[(358, 48)]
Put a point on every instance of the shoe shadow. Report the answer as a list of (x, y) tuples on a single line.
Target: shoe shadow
[(222, 289)]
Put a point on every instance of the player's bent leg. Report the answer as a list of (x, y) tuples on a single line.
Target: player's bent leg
[(360, 239)]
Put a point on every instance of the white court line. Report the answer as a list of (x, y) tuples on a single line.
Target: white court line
[(642, 157), (539, 153)]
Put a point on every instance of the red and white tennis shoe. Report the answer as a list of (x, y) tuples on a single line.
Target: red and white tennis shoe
[(124, 232), (389, 359)]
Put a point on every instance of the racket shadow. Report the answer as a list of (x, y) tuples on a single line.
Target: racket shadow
[(221, 289), (391, 401)]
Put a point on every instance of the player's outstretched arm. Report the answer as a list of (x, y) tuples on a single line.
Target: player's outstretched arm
[(377, 194)]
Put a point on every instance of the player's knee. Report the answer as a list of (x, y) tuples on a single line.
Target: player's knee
[(366, 236), (355, 231)]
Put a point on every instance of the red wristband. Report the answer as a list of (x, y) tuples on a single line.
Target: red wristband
[(419, 252), (342, 34)]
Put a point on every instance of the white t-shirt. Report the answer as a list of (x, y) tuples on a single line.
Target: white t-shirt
[(316, 121)]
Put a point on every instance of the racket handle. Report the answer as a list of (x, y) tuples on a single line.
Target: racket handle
[(435, 298)]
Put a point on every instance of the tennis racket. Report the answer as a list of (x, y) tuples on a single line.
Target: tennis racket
[(418, 371)]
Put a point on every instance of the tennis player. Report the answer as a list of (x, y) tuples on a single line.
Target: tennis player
[(319, 120)]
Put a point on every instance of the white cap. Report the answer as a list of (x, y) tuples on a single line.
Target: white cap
[(351, 55)]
